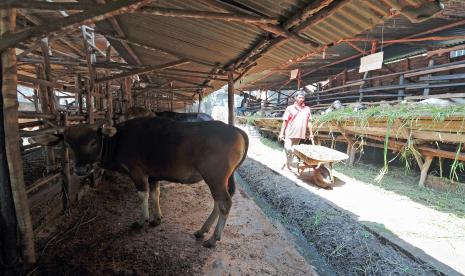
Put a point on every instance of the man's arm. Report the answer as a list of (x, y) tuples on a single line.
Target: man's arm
[(310, 128)]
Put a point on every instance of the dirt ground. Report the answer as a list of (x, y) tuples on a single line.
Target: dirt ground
[(355, 229), (96, 239)]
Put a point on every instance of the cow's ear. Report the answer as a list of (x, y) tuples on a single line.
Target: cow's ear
[(48, 139), (108, 131)]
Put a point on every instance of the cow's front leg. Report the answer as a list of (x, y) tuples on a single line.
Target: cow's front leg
[(155, 194), (142, 187)]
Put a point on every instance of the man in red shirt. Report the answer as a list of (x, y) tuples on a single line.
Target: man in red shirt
[(296, 119)]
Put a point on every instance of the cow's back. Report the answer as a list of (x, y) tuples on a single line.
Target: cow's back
[(185, 117)]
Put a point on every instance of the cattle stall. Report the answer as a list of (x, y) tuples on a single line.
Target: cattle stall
[(87, 63)]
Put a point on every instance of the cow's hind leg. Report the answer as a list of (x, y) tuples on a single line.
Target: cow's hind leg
[(208, 223), (155, 194), (224, 205)]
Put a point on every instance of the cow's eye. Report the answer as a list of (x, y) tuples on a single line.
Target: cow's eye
[(93, 143)]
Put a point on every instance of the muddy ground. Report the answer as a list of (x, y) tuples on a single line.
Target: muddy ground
[(346, 246), (96, 238)]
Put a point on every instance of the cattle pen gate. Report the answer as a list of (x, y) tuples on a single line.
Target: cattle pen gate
[(89, 61)]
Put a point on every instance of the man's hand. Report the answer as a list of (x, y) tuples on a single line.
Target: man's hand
[(310, 137), (281, 137)]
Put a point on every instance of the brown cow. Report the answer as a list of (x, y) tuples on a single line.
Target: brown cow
[(152, 149)]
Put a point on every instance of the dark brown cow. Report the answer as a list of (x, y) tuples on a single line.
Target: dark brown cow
[(137, 112), (152, 149)]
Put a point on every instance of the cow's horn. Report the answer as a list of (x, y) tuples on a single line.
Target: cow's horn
[(108, 131)]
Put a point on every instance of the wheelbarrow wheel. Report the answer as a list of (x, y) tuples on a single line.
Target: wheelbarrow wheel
[(322, 177)]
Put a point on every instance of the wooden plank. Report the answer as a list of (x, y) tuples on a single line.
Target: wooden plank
[(437, 96), (99, 12), (207, 15), (434, 70), (442, 77), (10, 151)]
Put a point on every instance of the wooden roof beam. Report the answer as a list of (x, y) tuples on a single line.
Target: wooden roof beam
[(42, 5), (99, 12), (141, 71), (37, 21), (207, 15)]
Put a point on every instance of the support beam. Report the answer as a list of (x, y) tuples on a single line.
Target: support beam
[(142, 71), (230, 98), (207, 15), (424, 170), (98, 13), (51, 84), (42, 5), (12, 187)]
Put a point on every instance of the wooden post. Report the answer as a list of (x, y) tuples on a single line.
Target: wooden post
[(230, 98), (89, 104), (200, 101), (424, 170), (78, 94), (36, 99), (108, 92), (12, 188), (318, 89), (48, 76), (68, 199), (351, 152), (426, 90), (109, 113), (46, 108), (401, 92)]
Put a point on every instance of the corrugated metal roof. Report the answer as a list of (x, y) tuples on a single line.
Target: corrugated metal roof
[(223, 42)]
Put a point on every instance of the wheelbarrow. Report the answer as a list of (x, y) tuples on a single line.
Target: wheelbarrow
[(320, 159)]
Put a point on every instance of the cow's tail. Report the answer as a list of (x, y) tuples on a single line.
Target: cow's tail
[(231, 181)]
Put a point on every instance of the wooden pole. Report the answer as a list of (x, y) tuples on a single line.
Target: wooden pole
[(108, 93), (46, 109), (12, 184), (68, 199), (48, 75), (109, 113), (230, 98), (78, 93)]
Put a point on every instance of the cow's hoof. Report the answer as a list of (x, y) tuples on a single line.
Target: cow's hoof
[(198, 234), (210, 243), (137, 225), (155, 222)]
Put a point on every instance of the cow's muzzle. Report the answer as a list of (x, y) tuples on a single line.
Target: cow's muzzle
[(83, 170)]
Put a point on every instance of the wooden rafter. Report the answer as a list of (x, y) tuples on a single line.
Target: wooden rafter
[(43, 5), (141, 71), (99, 12), (207, 15)]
